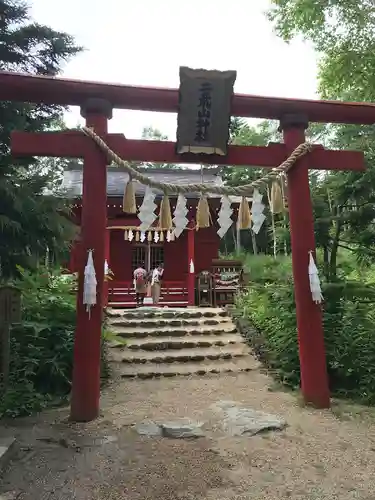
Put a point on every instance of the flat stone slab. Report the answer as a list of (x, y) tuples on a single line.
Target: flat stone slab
[(183, 428), (239, 421), (6, 450), (148, 428)]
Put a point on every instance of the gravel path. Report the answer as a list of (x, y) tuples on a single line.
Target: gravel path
[(318, 456)]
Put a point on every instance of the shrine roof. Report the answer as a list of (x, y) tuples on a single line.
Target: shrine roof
[(117, 178)]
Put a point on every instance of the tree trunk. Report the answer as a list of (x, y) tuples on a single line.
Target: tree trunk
[(233, 232), (274, 236), (273, 225), (4, 353), (334, 251), (285, 226), (326, 262), (238, 237), (47, 259), (332, 270), (254, 242)]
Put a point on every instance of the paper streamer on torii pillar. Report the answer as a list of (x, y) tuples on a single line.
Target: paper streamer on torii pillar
[(316, 291), (89, 284)]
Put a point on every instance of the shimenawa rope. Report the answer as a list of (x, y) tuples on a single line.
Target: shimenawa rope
[(168, 188)]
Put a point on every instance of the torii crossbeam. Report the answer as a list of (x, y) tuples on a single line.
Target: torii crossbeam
[(96, 101)]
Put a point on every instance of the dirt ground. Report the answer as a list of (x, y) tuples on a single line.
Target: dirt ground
[(320, 455)]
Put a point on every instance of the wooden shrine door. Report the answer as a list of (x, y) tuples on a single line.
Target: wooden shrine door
[(150, 254)]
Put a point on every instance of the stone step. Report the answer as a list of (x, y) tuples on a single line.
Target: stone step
[(182, 355), (188, 342), (170, 313), (151, 370), (161, 322), (177, 331)]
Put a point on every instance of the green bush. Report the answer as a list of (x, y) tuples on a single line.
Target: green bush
[(42, 345), (349, 320)]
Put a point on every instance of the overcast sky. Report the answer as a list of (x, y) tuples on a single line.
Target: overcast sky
[(143, 42)]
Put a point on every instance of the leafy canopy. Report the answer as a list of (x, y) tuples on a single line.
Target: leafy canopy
[(30, 219), (343, 33)]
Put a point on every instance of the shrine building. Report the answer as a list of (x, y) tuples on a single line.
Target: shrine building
[(126, 247)]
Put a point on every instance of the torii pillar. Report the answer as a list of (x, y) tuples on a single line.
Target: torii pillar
[(191, 263), (314, 377), (87, 342)]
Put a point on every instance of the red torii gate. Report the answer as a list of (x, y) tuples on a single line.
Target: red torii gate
[(97, 101)]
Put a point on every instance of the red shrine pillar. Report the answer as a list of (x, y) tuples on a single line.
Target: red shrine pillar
[(314, 379), (87, 343), (191, 265)]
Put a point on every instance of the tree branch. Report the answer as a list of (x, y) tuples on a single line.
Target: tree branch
[(346, 248), (356, 249)]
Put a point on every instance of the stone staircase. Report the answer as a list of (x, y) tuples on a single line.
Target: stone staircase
[(169, 342)]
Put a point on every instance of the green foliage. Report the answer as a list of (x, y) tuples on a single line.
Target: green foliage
[(349, 319), (264, 268), (31, 220), (344, 203), (42, 345), (343, 32)]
